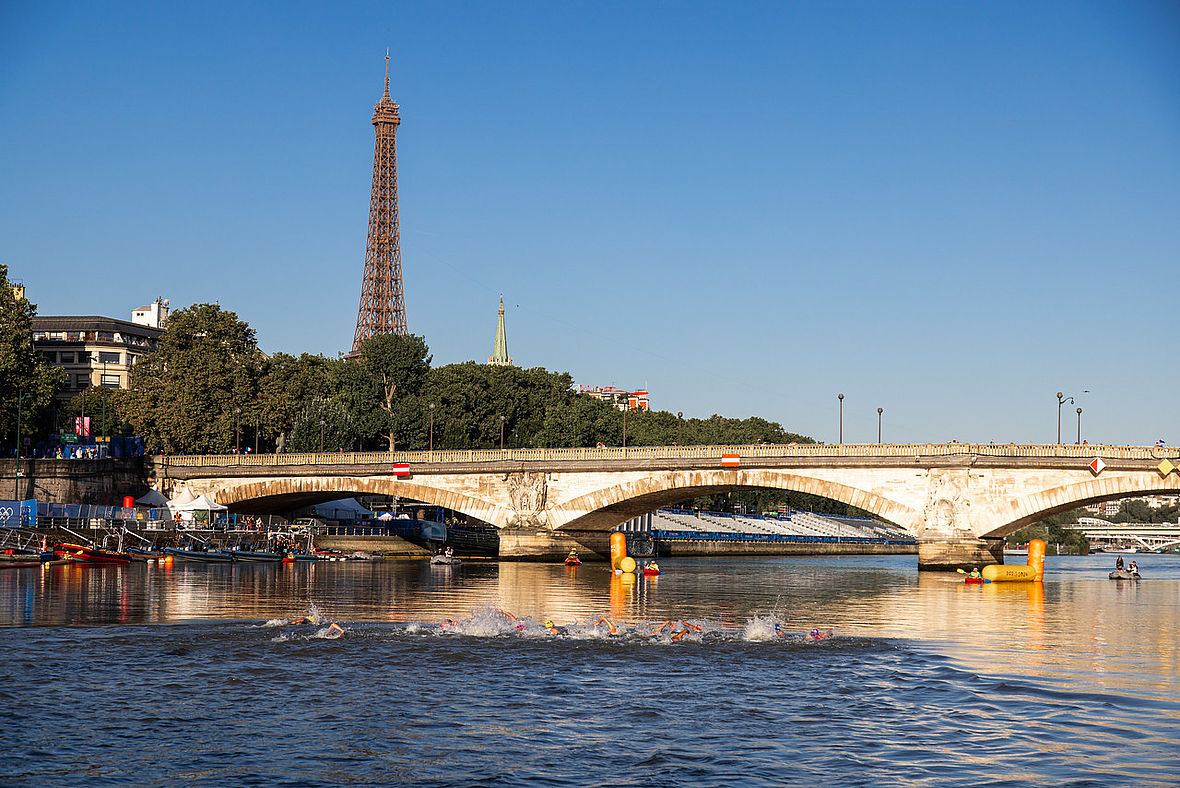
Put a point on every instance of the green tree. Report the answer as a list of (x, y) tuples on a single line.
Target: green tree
[(289, 383), (397, 365), (27, 383), (98, 403), (186, 393)]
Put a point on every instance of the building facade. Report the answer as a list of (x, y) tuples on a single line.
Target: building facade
[(618, 398), (98, 351)]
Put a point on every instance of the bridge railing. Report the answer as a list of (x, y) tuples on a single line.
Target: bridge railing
[(767, 451)]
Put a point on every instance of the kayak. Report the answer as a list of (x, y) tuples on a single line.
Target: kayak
[(975, 580), (573, 562)]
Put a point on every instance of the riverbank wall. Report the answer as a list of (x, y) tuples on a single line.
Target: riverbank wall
[(96, 482)]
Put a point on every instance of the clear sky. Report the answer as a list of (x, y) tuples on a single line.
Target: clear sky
[(948, 210)]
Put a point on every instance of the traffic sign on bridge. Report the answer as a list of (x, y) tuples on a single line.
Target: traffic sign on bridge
[(1096, 465)]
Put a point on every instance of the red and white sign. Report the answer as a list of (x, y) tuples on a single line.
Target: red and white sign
[(82, 425), (1096, 465), (401, 469), (731, 460)]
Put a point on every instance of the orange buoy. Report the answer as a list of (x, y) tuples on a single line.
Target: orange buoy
[(618, 549)]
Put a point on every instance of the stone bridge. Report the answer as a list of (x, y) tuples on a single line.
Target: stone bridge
[(959, 500)]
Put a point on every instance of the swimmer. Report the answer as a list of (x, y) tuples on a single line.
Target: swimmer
[(549, 625), (680, 634), (610, 625), (666, 625), (815, 634), (693, 627), (334, 631), (448, 624)]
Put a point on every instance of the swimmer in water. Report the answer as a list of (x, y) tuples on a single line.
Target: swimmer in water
[(549, 625), (334, 631), (610, 625), (816, 634)]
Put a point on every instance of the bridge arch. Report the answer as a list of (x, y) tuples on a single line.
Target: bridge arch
[(608, 507), (1032, 508), (238, 495)]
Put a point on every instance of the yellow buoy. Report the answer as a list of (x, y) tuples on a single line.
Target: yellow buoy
[(627, 564), (1008, 573), (618, 549)]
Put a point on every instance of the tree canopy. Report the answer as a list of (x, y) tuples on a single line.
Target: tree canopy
[(27, 382)]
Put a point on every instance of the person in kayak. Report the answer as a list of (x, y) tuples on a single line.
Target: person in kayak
[(974, 573)]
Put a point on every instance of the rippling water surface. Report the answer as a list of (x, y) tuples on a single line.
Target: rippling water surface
[(149, 675)]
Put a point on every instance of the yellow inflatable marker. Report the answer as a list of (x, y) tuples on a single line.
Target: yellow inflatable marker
[(1032, 573), (618, 549), (627, 564)]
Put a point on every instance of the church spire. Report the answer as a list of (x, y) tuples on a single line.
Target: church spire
[(499, 357)]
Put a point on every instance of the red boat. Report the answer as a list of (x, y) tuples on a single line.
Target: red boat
[(573, 560), (91, 555), (973, 580)]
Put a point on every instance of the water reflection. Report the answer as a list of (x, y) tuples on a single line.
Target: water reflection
[(1078, 627)]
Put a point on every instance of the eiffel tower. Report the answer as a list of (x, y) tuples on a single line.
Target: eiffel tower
[(383, 307)]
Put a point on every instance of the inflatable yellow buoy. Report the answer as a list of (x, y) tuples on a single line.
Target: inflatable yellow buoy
[(618, 549), (627, 564), (1032, 573)]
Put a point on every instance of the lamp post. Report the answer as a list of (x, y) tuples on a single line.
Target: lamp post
[(625, 409), (16, 481), (501, 433), (1079, 426), (257, 429), (679, 428), (102, 381), (1061, 398), (841, 398), (879, 412), (237, 430), (321, 436), (432, 426)]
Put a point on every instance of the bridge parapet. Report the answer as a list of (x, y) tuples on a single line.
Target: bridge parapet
[(761, 451)]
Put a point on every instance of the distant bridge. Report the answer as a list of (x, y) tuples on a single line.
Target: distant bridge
[(959, 500), (1149, 536)]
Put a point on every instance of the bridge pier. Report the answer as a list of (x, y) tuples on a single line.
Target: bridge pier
[(947, 555), (541, 544)]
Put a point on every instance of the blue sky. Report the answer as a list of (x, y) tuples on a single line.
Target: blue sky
[(948, 210)]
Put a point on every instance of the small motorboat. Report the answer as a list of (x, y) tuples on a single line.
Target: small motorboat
[(1123, 574), (19, 560), (90, 555), (445, 560), (253, 556), (199, 556)]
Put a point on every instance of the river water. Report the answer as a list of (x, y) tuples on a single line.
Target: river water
[(149, 675)]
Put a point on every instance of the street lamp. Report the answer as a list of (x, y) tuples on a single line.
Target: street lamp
[(501, 433), (1061, 398), (841, 398), (16, 481), (237, 430), (879, 412), (1079, 426), (321, 436), (625, 409), (679, 428), (257, 429), (102, 381), (432, 426)]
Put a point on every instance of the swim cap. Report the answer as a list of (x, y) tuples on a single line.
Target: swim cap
[(548, 622), (814, 632)]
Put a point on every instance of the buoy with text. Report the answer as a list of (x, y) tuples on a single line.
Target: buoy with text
[(1032, 572)]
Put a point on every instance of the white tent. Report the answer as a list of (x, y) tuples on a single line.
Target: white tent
[(200, 504), (153, 498), (344, 509), (185, 496)]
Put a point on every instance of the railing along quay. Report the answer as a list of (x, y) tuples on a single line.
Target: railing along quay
[(760, 451)]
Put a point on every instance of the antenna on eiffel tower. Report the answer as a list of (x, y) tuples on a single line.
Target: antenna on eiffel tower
[(383, 307)]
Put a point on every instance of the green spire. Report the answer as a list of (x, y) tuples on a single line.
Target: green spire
[(500, 357)]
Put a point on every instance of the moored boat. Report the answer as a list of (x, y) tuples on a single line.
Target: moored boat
[(90, 555), (199, 556), (253, 556)]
